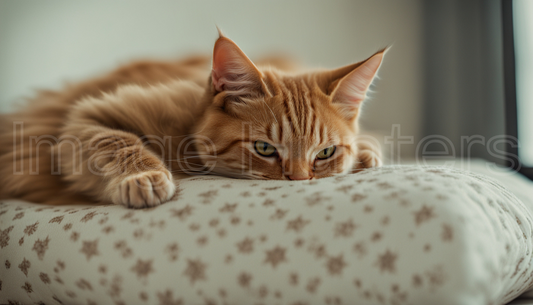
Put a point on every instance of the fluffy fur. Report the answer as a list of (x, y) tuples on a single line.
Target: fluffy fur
[(125, 137)]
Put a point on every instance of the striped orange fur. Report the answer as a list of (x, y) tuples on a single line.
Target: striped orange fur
[(125, 137)]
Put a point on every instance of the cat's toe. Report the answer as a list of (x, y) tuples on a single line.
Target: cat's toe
[(144, 190), (369, 158)]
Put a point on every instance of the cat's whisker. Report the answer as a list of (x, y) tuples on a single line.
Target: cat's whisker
[(274, 116)]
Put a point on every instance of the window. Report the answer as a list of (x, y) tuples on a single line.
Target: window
[(523, 49)]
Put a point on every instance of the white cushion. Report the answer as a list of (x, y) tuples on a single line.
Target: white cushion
[(393, 235)]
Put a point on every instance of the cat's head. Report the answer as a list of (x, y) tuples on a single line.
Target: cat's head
[(266, 124)]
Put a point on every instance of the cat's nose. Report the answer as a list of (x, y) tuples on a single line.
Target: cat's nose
[(299, 177), (297, 169)]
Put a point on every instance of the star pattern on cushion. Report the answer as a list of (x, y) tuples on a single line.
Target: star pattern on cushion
[(436, 276), (279, 214), (173, 251), (27, 287), (18, 216), (244, 279), (294, 278), (4, 236), (275, 256), (44, 278), (447, 232), (167, 298), (30, 229), (345, 229), (24, 266), (345, 188), (297, 224), (336, 264), (276, 243), (123, 248), (312, 285), (195, 271), (57, 219), (424, 214), (182, 213), (246, 245), (88, 216), (90, 248), (40, 247), (386, 262), (84, 284), (208, 196), (315, 199), (358, 197), (268, 202), (74, 236), (229, 208), (143, 268)]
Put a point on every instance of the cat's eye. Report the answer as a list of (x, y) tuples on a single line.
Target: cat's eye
[(264, 149), (326, 153)]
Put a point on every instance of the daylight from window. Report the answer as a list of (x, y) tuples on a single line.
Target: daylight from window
[(523, 34)]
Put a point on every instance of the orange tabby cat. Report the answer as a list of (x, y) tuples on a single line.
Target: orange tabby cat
[(124, 137)]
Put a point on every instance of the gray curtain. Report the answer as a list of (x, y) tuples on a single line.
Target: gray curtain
[(463, 65)]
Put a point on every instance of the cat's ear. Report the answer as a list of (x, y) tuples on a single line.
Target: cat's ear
[(233, 72), (351, 83)]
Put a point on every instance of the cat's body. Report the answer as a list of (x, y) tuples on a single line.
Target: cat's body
[(125, 137)]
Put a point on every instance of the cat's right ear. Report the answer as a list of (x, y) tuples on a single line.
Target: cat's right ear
[(233, 72), (351, 83)]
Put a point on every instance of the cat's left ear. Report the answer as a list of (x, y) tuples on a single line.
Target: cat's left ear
[(233, 72), (349, 91)]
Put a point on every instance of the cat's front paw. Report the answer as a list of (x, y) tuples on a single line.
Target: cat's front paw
[(146, 189), (369, 158)]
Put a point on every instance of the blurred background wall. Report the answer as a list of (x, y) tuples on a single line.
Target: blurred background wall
[(438, 62), (463, 78)]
